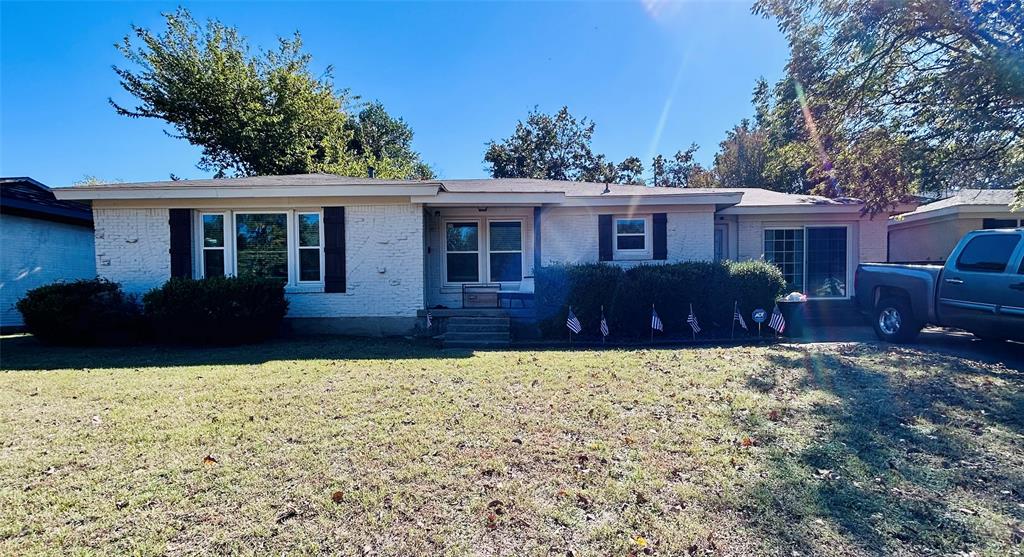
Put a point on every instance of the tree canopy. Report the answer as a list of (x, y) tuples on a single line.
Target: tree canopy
[(257, 114)]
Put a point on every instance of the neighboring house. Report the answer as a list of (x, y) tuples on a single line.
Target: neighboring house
[(929, 232), (42, 240), (378, 252)]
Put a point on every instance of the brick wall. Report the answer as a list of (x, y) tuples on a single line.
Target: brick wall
[(37, 252), (133, 247)]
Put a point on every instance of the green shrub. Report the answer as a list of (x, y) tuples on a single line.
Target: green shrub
[(627, 296), (83, 312), (216, 310)]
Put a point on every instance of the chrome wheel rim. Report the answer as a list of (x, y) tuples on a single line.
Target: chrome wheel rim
[(889, 321)]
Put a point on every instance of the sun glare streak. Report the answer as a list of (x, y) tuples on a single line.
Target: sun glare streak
[(812, 128)]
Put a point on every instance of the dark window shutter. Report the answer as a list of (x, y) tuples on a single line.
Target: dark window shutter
[(604, 237), (181, 242), (660, 221), (536, 240), (334, 249)]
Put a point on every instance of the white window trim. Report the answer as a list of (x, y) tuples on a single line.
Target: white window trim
[(319, 247), (201, 241), (231, 240), (480, 243), (850, 262), (521, 251), (631, 254)]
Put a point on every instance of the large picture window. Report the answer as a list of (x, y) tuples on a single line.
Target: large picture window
[(285, 245), (505, 240), (462, 251), (813, 260)]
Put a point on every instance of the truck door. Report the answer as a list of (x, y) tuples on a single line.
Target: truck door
[(978, 290)]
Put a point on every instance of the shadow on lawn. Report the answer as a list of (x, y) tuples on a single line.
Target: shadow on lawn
[(26, 353), (901, 465)]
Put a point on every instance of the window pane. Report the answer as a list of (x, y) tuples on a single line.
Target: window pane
[(989, 224), (309, 229), (463, 267), (629, 242), (462, 236), (987, 254), (629, 226), (785, 248), (213, 262), (262, 241), (213, 231), (506, 236), (826, 262), (309, 265), (506, 267)]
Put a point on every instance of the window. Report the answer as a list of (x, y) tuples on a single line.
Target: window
[(505, 240), (213, 245), (988, 253), (310, 250), (989, 224), (261, 244), (462, 251), (826, 262), (630, 234), (785, 248)]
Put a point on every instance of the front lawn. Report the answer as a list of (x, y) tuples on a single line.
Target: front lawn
[(388, 448)]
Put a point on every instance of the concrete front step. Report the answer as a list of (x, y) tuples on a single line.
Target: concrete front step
[(478, 321), (478, 327), (476, 344), (476, 336)]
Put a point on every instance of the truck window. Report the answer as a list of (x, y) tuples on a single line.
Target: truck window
[(987, 253)]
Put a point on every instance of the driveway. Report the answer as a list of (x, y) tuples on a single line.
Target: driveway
[(936, 339)]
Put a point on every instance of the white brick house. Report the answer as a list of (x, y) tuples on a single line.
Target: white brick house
[(367, 256)]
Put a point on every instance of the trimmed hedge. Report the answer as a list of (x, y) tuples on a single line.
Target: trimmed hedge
[(83, 312), (216, 310), (627, 295)]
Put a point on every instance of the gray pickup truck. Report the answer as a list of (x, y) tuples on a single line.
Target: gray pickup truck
[(980, 289)]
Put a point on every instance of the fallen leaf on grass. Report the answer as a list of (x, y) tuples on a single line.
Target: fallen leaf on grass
[(209, 460), (338, 496), (747, 442)]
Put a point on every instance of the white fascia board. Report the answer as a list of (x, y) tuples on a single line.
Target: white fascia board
[(236, 192), (644, 200), (952, 210), (793, 209), (503, 198)]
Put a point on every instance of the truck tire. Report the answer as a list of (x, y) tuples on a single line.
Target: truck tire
[(895, 322)]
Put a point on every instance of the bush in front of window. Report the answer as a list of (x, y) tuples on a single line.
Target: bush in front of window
[(82, 313), (627, 296), (216, 310)]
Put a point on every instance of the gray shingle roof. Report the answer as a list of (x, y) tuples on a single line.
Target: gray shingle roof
[(995, 198), (571, 189), (27, 197)]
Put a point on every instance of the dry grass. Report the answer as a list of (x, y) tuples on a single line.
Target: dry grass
[(388, 448)]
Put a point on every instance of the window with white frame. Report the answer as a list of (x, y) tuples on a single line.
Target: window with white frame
[(286, 245), (462, 252), (213, 248), (631, 234), (813, 259), (505, 242), (309, 246)]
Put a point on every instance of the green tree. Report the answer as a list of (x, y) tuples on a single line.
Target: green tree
[(262, 114), (380, 136), (740, 161), (943, 79), (556, 147), (681, 171)]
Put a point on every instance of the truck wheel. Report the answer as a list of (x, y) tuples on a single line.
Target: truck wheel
[(895, 322)]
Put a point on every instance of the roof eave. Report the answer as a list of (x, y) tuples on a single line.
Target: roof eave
[(113, 192)]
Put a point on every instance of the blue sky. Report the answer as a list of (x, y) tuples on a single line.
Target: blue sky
[(653, 76)]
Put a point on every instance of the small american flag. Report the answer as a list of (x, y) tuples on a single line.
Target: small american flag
[(430, 319), (692, 320), (573, 323), (656, 321), (777, 322), (737, 316), (604, 324)]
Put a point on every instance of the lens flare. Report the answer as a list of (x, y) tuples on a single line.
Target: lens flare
[(812, 128)]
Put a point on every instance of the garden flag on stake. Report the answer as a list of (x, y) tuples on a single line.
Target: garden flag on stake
[(655, 322), (692, 320), (737, 316), (777, 322), (573, 323), (430, 319), (604, 325)]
